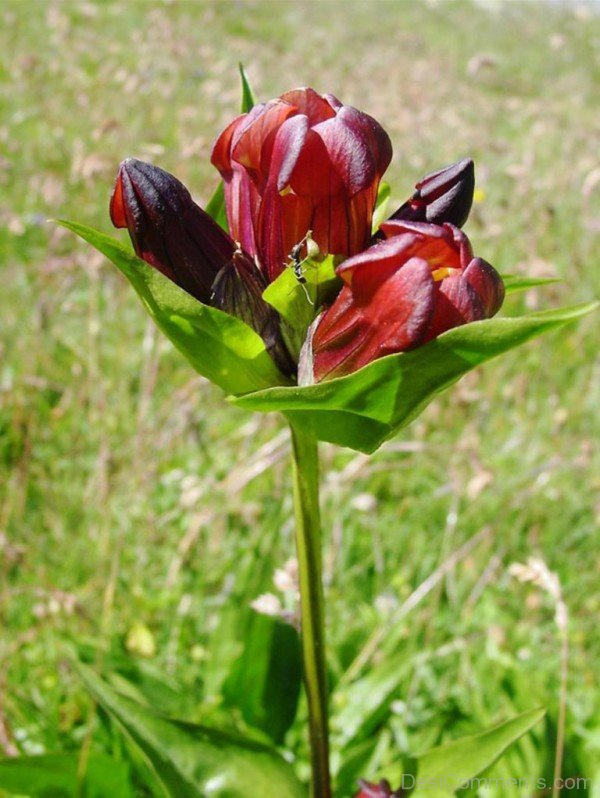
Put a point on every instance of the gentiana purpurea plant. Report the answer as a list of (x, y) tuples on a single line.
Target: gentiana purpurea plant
[(296, 292)]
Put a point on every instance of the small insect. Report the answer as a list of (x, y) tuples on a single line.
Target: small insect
[(296, 259)]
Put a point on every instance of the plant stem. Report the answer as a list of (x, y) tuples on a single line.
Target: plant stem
[(310, 571)]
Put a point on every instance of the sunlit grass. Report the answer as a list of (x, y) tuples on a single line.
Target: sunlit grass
[(130, 493)]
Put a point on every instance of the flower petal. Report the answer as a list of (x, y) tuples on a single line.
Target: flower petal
[(487, 283), (456, 303), (288, 143), (359, 148), (357, 329), (220, 155), (242, 202), (248, 145), (307, 101), (430, 242), (314, 175)]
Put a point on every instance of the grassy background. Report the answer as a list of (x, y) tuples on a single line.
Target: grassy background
[(138, 512)]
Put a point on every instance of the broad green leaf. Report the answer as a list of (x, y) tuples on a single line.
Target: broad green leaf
[(56, 776), (380, 214), (443, 770), (298, 302), (513, 283), (220, 347), (195, 761), (248, 98), (215, 207), (265, 680), (367, 407)]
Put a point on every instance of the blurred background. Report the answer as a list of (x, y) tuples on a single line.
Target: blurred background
[(140, 515)]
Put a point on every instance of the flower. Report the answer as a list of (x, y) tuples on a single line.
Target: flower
[(174, 235), (381, 790), (301, 162), (420, 281), (307, 165)]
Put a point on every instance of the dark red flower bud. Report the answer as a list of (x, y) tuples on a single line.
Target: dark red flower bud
[(173, 234), (168, 230), (442, 196), (400, 293), (300, 162), (237, 290), (381, 790)]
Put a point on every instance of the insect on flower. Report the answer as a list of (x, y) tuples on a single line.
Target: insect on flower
[(295, 260)]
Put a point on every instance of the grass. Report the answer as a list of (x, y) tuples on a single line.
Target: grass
[(139, 512)]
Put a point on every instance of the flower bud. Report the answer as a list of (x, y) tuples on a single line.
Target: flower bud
[(400, 293), (167, 229), (381, 790), (237, 290), (173, 234), (442, 196)]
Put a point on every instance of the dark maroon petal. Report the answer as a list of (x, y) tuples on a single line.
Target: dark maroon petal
[(333, 101), (349, 147), (442, 196), (220, 155), (461, 242), (394, 227), (314, 175), (456, 303), (248, 145), (337, 325), (357, 330), (287, 146), (377, 259), (406, 240), (308, 102), (237, 290), (379, 142), (488, 285), (242, 202), (269, 229), (400, 311), (168, 230)]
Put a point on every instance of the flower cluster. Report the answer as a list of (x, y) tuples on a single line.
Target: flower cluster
[(307, 163)]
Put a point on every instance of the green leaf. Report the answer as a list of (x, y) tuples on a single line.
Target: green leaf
[(195, 761), (380, 214), (443, 770), (265, 680), (215, 207), (220, 347), (56, 776), (365, 408), (298, 303), (513, 283), (364, 703), (248, 98)]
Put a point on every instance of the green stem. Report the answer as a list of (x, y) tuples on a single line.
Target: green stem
[(310, 570)]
